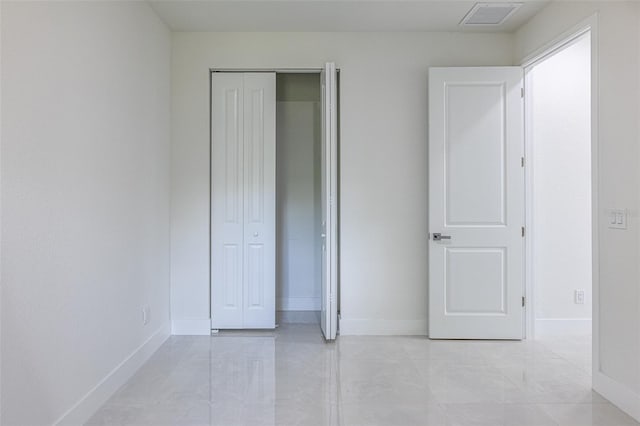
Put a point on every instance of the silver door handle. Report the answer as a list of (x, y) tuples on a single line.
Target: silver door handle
[(438, 236)]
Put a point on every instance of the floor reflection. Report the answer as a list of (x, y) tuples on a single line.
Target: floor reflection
[(291, 376)]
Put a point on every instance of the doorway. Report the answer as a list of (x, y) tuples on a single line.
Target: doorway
[(298, 202), (473, 281), (560, 198)]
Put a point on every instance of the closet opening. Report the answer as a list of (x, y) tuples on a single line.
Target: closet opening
[(298, 198)]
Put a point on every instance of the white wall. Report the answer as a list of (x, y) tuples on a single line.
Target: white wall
[(617, 319), (85, 202), (297, 282), (559, 89), (383, 161)]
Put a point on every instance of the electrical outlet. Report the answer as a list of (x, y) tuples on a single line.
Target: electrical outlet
[(146, 314), (579, 297)]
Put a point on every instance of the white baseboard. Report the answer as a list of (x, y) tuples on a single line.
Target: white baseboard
[(100, 393), (374, 327), (191, 327), (618, 394), (553, 327), (298, 304), (298, 317)]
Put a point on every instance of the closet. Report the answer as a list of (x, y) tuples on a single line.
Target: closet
[(273, 199)]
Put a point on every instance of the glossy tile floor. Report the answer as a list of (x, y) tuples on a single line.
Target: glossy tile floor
[(291, 377)]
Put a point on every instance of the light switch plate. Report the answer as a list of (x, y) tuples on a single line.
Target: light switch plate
[(617, 219)]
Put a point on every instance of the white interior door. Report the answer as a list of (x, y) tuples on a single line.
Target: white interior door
[(329, 186), (243, 200), (476, 203)]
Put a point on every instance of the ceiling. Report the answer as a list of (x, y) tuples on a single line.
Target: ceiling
[(329, 15)]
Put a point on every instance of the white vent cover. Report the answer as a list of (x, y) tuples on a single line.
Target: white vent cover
[(489, 13)]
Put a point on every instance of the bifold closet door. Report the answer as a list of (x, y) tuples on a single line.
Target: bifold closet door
[(243, 200), (329, 200)]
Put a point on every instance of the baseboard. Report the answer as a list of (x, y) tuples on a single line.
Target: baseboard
[(96, 397), (618, 394), (191, 327), (298, 317), (374, 327), (552, 327), (298, 304)]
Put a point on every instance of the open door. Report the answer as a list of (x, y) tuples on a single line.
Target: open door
[(476, 203), (329, 186)]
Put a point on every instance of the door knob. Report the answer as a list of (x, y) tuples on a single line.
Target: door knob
[(439, 237), (255, 234)]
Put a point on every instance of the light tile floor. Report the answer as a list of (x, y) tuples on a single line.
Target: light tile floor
[(292, 377)]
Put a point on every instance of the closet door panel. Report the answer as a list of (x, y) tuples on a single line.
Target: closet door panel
[(227, 202), (259, 199)]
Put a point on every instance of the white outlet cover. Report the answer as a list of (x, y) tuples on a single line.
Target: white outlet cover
[(617, 218)]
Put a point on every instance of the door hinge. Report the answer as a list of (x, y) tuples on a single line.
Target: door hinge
[(522, 92), (522, 231), (523, 301), (522, 161)]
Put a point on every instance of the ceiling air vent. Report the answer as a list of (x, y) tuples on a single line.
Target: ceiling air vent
[(488, 14)]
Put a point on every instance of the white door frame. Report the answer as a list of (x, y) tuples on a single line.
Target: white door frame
[(337, 192), (558, 44)]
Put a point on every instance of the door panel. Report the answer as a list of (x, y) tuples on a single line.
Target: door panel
[(476, 197), (232, 152), (227, 204), (324, 199), (231, 279), (474, 154), (475, 281), (255, 155), (255, 276), (329, 188), (260, 200)]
